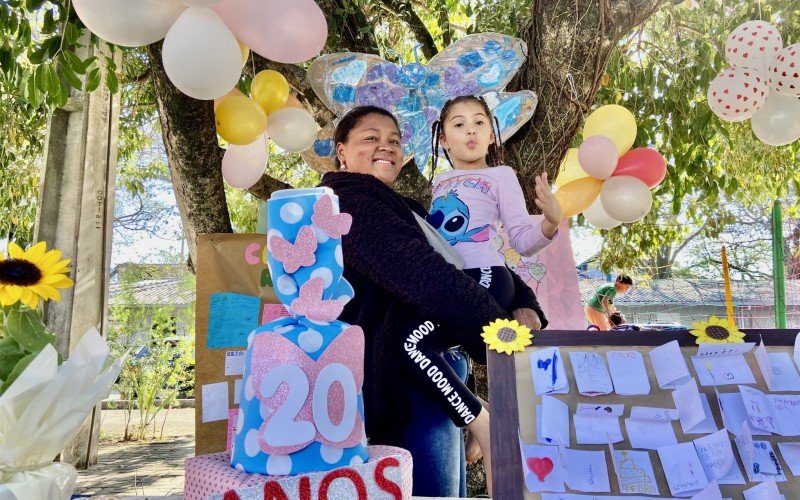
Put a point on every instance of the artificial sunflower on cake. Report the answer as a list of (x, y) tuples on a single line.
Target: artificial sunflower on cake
[(28, 275), (507, 336), (716, 331)]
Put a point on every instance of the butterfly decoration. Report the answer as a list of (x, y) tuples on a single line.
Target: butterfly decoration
[(479, 64), (295, 255), (311, 305), (332, 224)]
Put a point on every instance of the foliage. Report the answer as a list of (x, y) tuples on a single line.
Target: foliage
[(161, 365), (22, 336)]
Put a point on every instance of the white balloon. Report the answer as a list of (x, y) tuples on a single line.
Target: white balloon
[(777, 123), (597, 216), (199, 3), (753, 45), (626, 198), (292, 129), (737, 93), (243, 166), (130, 23), (784, 71), (201, 56)]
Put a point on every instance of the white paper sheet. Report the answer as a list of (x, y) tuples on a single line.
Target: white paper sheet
[(767, 490), (650, 434), (777, 368), (215, 402), (634, 472), (764, 462), (237, 390), (547, 370), (587, 471), (591, 374), (791, 455), (596, 429), (710, 492), (543, 468), (773, 413), (716, 455), (651, 413), (723, 364), (602, 409), (669, 366), (734, 414), (683, 469), (796, 352), (234, 362), (628, 373), (689, 405), (555, 421)]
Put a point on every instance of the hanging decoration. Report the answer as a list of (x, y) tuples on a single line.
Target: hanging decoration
[(604, 179), (762, 84)]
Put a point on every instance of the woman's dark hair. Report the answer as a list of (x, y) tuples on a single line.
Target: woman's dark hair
[(494, 156), (351, 120), (625, 279)]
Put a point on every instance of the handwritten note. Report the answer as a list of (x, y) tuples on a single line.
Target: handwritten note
[(586, 471), (591, 374), (685, 474), (723, 364), (710, 492), (767, 490), (772, 413), (234, 362), (734, 414), (777, 368), (233, 415), (628, 373), (231, 318), (553, 416), (716, 454), (273, 311), (634, 472), (547, 370), (760, 461), (543, 468), (669, 366)]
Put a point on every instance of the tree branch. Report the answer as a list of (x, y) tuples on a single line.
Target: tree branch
[(405, 12), (348, 27)]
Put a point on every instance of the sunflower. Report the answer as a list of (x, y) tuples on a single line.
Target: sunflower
[(506, 336), (29, 274), (716, 331)]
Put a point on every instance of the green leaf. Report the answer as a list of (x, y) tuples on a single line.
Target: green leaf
[(27, 328), (111, 82), (17, 371), (69, 75), (93, 80), (42, 81), (10, 354)]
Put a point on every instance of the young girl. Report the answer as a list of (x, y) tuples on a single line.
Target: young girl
[(480, 193)]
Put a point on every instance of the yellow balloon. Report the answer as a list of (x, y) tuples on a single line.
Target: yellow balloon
[(570, 170), (234, 91), (614, 122), (245, 52), (576, 196), (240, 120), (270, 89)]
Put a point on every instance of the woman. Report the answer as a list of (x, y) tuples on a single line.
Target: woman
[(402, 285)]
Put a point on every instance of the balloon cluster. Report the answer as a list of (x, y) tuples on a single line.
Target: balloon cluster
[(206, 43), (246, 123), (604, 178), (762, 84)]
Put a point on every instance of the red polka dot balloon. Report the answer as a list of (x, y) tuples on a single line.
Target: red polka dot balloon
[(736, 93), (784, 71), (753, 45)]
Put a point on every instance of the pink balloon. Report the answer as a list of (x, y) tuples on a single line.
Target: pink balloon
[(645, 164), (737, 93), (287, 31), (598, 156), (243, 166)]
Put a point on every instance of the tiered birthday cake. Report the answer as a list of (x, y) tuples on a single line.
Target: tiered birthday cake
[(300, 429)]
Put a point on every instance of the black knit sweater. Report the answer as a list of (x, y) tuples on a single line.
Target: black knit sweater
[(396, 274)]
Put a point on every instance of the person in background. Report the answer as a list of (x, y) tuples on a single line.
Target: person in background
[(600, 306)]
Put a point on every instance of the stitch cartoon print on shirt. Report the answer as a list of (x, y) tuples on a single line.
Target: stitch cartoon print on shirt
[(450, 216)]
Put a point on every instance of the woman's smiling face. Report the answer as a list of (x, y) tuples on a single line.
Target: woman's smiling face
[(373, 147)]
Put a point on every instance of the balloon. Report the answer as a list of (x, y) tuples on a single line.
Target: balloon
[(287, 31), (293, 102), (234, 92), (576, 196), (130, 23), (626, 198), (784, 71), (245, 52), (199, 3), (614, 122), (240, 120), (645, 164), (737, 93), (570, 169), (598, 156), (292, 129), (201, 55), (270, 89), (777, 123), (243, 166), (597, 216), (753, 45)]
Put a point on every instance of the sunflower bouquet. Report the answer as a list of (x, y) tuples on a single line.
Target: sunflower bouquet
[(43, 402)]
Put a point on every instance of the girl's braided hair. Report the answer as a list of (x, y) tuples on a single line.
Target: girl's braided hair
[(494, 156)]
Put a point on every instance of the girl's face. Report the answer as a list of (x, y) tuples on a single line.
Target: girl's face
[(373, 147), (467, 133)]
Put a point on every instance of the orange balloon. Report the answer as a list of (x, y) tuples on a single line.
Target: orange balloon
[(293, 102), (576, 196), (234, 92)]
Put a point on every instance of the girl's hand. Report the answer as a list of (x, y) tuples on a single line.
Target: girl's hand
[(472, 449), (548, 204), (527, 317)]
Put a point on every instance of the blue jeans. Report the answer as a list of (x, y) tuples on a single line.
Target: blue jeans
[(435, 443)]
